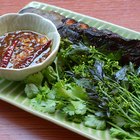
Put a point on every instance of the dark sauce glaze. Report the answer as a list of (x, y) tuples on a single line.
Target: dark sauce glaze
[(21, 49)]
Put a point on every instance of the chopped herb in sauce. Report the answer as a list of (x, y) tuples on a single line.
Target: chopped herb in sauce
[(21, 49)]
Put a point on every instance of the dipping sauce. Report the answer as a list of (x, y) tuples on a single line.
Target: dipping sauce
[(21, 49)]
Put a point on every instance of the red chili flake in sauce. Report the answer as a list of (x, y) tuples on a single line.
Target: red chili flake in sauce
[(21, 49)]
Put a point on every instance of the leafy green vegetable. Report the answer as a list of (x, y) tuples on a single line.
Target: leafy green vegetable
[(121, 74), (31, 90), (119, 133), (36, 79), (75, 107), (93, 122), (70, 91), (50, 74), (48, 106), (89, 88)]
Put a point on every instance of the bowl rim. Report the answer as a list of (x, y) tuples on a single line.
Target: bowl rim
[(52, 52)]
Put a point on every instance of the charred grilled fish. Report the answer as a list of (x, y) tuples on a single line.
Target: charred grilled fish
[(78, 31)]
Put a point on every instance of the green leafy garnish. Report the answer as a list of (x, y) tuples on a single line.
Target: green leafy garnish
[(91, 88), (31, 90), (94, 122)]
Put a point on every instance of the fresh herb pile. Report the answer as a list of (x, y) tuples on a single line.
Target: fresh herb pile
[(89, 87)]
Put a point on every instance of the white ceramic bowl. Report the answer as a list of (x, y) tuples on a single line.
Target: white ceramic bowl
[(14, 22)]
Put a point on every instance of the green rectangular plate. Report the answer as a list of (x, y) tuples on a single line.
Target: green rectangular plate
[(13, 92)]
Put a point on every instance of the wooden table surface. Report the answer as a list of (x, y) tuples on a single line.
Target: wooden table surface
[(16, 124)]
